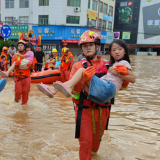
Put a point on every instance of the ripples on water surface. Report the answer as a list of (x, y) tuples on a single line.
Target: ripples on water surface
[(44, 129)]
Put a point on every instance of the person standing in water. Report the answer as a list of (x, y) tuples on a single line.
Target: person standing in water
[(22, 77), (91, 117)]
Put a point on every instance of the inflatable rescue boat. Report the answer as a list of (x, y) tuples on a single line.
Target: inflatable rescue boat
[(45, 77)]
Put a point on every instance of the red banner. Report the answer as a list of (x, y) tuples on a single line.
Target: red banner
[(70, 41)]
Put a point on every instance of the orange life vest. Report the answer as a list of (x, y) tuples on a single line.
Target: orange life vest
[(65, 65), (56, 59), (34, 60), (23, 72), (4, 54)]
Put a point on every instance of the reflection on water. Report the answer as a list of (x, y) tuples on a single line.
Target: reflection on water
[(44, 129)]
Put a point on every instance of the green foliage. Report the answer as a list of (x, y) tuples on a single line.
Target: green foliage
[(7, 44)]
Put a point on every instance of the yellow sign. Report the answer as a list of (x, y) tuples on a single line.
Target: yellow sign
[(92, 14)]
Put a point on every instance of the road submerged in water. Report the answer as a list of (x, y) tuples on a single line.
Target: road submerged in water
[(44, 129)]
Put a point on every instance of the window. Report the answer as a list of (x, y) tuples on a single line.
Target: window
[(87, 21), (23, 20), (105, 8), (93, 23), (9, 3), (110, 11), (74, 3), (89, 4), (23, 3), (99, 23), (94, 5), (101, 7), (9, 20), (72, 19), (43, 2), (104, 25), (43, 19), (109, 26)]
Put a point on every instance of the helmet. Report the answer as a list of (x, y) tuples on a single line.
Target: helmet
[(54, 50), (21, 41), (89, 36), (5, 48), (65, 50)]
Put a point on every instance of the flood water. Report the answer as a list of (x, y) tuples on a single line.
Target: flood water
[(44, 129)]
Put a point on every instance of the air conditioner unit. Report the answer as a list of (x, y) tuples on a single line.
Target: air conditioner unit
[(16, 22), (77, 9)]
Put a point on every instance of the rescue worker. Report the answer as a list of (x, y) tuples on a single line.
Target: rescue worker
[(22, 76), (91, 118), (66, 64), (54, 53), (5, 53)]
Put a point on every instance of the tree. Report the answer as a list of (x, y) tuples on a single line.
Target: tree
[(7, 44)]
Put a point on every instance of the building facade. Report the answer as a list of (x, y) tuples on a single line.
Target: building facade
[(22, 15), (148, 39)]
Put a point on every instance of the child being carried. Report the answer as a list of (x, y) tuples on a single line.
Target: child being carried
[(25, 63)]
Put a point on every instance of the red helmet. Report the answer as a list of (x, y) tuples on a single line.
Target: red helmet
[(65, 50), (89, 36), (5, 48)]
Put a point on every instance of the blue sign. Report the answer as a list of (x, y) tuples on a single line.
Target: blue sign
[(103, 37), (107, 18), (6, 31), (59, 32)]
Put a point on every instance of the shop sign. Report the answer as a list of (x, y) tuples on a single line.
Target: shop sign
[(107, 18), (103, 37), (59, 32), (151, 22), (126, 35), (110, 36), (116, 35), (70, 41), (16, 29), (92, 14)]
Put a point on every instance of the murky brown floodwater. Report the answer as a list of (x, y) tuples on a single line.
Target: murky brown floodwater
[(44, 129)]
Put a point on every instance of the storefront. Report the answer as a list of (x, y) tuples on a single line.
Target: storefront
[(56, 36)]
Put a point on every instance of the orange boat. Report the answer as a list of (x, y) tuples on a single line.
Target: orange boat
[(45, 77)]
